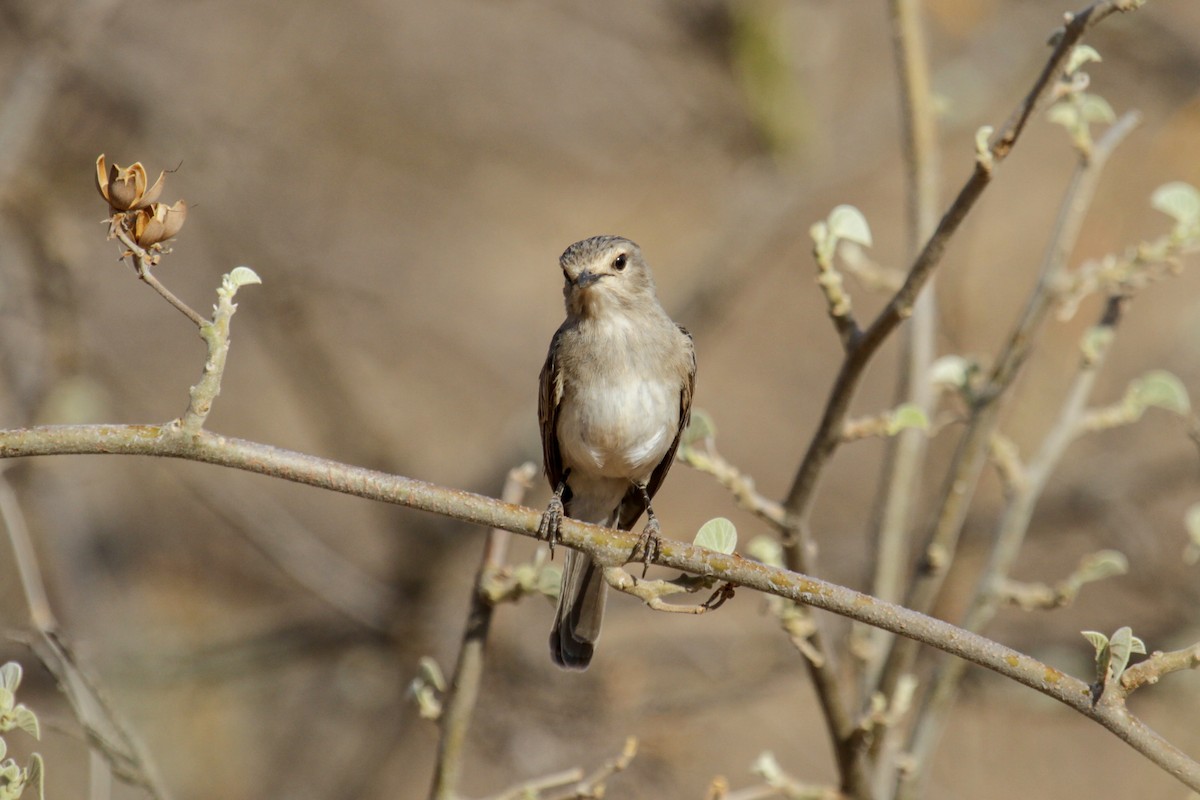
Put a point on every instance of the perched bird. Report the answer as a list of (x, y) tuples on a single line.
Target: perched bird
[(616, 392)]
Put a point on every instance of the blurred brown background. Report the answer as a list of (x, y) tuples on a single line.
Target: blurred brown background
[(403, 177)]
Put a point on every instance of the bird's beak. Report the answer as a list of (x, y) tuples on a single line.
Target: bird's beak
[(586, 279)]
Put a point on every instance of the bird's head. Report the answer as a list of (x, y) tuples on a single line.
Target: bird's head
[(604, 272)]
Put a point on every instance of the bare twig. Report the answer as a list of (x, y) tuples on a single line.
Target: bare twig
[(142, 265), (837, 301), (468, 671), (581, 786), (906, 452), (739, 484), (798, 539), (967, 464), (652, 592), (106, 731), (826, 439), (1010, 535), (1158, 665), (606, 546)]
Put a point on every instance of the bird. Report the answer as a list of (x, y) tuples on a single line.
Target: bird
[(615, 396)]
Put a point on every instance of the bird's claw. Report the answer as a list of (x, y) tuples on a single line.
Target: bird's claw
[(550, 526), (649, 545)]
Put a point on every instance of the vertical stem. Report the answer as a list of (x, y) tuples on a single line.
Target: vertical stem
[(971, 455), (468, 671), (906, 452)]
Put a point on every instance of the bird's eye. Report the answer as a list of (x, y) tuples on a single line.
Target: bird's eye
[(620, 262)]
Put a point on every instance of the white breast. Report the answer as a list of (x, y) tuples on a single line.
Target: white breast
[(619, 428)]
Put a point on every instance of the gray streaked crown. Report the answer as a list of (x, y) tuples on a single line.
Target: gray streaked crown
[(587, 250)]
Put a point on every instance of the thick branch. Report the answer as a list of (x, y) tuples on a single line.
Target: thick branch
[(610, 547)]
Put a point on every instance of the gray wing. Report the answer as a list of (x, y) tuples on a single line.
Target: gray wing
[(633, 506), (549, 397)]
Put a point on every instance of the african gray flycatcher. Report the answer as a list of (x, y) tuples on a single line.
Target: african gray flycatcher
[(616, 392)]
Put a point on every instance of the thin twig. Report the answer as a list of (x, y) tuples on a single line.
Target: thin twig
[(652, 592), (106, 731), (827, 437), (970, 456), (797, 541), (468, 671), (1010, 536), (606, 546), (906, 452), (142, 264), (739, 484), (1158, 665)]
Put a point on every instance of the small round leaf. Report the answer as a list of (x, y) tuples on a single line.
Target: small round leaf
[(847, 223), (951, 371), (1094, 108), (700, 427), (907, 415), (717, 534), (1162, 389), (1099, 640), (1081, 55), (10, 676), (1178, 200), (1191, 520), (1101, 565), (241, 276), (767, 550)]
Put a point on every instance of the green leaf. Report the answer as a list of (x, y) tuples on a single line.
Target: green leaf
[(1064, 113), (1122, 645), (952, 371), (549, 580), (1081, 55), (3, 749), (717, 534), (847, 223), (429, 706), (700, 427), (1101, 565), (429, 671), (907, 415), (1159, 388), (35, 776), (1095, 342), (241, 276), (1099, 640), (767, 550), (1191, 520), (1178, 200), (766, 766), (10, 774), (27, 721), (1094, 108), (10, 676)]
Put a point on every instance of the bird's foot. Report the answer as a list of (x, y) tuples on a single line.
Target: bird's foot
[(550, 526), (649, 544)]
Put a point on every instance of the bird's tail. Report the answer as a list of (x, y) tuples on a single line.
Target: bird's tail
[(580, 611)]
